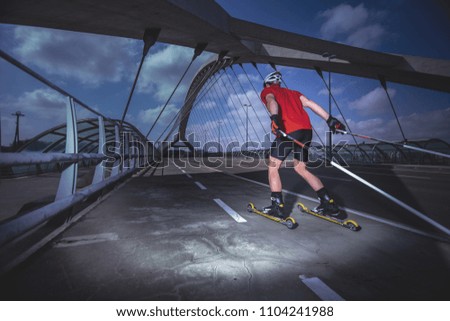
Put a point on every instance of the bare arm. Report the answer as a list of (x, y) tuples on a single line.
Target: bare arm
[(271, 104), (316, 108)]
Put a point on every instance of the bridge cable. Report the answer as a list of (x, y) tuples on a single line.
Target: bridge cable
[(383, 84), (232, 100), (218, 117), (187, 101), (204, 125), (213, 87), (197, 52), (245, 93), (233, 104), (182, 114), (257, 92), (257, 69), (237, 96), (207, 122), (149, 38), (212, 120), (216, 112), (319, 72), (225, 112)]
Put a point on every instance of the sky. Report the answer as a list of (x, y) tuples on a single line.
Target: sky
[(99, 70)]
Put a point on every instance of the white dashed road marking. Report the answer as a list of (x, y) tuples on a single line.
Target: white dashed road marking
[(230, 211), (323, 291), (200, 185)]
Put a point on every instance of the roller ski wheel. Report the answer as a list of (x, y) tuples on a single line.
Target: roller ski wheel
[(350, 224), (289, 222)]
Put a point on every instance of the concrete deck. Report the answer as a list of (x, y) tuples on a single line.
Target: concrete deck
[(162, 237)]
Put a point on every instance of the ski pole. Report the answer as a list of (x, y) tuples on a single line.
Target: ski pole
[(376, 189), (393, 143), (293, 139)]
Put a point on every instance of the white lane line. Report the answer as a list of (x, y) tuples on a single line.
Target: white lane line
[(352, 211), (230, 211), (323, 291), (183, 171), (200, 185), (180, 168)]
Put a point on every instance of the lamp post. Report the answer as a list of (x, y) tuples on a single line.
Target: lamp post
[(219, 122), (329, 134), (246, 127)]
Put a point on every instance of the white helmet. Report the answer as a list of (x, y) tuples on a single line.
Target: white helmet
[(272, 77)]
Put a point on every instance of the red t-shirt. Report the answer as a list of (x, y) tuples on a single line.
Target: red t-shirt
[(293, 115)]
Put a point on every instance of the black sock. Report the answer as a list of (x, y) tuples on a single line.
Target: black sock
[(277, 195), (322, 192)]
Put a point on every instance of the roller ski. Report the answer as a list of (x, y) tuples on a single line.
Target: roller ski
[(330, 216), (274, 214)]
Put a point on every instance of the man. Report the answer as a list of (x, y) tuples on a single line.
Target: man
[(287, 110)]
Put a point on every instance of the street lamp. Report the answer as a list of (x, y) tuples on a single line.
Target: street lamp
[(246, 128), (329, 136), (219, 122)]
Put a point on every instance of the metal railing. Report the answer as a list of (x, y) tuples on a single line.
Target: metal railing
[(116, 152)]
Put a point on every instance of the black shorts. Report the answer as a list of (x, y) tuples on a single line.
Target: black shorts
[(282, 147)]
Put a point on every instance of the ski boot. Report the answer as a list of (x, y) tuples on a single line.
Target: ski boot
[(327, 206), (277, 207)]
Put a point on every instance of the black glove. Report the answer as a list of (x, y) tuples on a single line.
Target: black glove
[(276, 123), (334, 124)]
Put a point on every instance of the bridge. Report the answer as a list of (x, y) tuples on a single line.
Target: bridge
[(96, 209)]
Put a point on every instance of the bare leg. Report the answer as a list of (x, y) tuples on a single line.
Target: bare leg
[(274, 176), (311, 179)]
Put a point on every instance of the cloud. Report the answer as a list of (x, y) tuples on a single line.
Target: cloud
[(343, 19), (148, 116), (372, 103), (334, 90), (253, 78), (43, 109), (46, 103), (90, 59), (163, 69), (206, 104), (416, 126), (355, 26), (367, 37), (433, 124), (233, 117)]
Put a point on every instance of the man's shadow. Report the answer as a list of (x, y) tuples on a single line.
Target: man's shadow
[(291, 200)]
